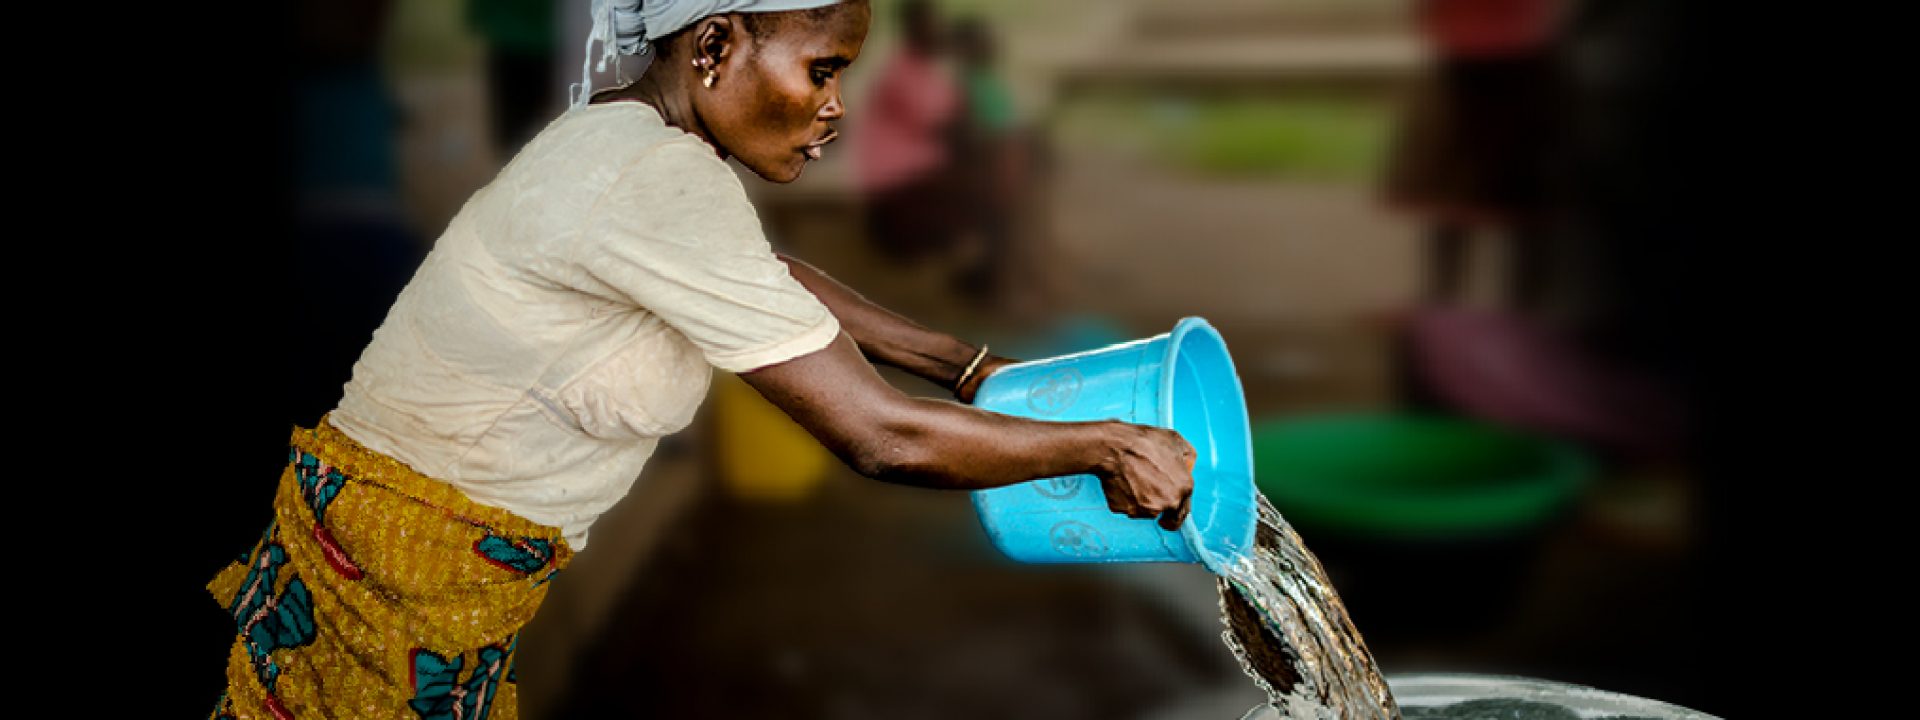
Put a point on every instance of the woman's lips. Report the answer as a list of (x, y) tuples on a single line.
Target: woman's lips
[(814, 149)]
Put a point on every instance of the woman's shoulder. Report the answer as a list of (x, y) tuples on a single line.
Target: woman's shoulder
[(587, 164), (598, 136)]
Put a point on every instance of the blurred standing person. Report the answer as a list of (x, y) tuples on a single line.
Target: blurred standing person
[(998, 182), (1473, 151), (519, 36), (904, 149), (1479, 154)]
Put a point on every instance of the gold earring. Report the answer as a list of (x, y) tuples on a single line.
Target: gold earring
[(706, 64)]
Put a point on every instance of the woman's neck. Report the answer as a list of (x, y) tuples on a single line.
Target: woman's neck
[(666, 93)]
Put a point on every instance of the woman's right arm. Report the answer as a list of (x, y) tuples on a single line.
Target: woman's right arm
[(887, 435)]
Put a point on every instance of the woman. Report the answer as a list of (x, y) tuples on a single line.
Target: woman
[(904, 159), (562, 324)]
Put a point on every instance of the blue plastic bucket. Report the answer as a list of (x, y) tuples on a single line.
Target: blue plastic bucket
[(1183, 380)]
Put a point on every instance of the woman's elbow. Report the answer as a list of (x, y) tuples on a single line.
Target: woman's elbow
[(894, 454)]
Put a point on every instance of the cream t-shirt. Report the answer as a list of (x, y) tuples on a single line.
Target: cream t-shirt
[(567, 318)]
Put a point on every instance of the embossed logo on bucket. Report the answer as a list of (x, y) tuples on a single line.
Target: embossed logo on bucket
[(1073, 538), (1053, 394), (1059, 488)]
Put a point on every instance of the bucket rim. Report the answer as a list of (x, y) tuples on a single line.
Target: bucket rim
[(1176, 339), (1426, 685)]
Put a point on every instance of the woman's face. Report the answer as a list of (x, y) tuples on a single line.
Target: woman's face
[(777, 94)]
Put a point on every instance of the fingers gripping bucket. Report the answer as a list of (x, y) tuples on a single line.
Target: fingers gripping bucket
[(1182, 380)]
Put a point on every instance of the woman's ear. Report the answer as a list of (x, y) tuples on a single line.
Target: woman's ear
[(714, 40)]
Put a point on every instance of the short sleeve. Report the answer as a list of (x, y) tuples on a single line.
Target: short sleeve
[(676, 236)]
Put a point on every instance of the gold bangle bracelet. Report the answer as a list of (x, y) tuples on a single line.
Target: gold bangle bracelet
[(962, 382)]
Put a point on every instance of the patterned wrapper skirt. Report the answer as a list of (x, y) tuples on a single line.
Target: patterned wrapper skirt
[(379, 592)]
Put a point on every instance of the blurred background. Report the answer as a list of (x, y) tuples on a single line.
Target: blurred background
[(1431, 232)]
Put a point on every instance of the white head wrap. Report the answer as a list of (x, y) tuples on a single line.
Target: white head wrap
[(628, 27)]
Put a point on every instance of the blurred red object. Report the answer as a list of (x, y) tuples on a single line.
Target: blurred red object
[(1487, 28), (1503, 368)]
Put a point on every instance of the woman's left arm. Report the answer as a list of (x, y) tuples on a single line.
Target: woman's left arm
[(886, 338)]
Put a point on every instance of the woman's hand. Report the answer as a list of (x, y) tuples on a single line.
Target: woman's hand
[(1148, 473), (991, 363)]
